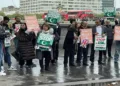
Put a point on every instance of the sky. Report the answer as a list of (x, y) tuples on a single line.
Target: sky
[(5, 3)]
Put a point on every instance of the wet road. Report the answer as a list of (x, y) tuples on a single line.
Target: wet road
[(60, 76)]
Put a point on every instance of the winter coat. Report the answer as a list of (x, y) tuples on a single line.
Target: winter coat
[(69, 39), (26, 43)]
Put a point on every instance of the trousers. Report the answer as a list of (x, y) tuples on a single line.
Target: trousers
[(84, 52), (47, 56), (93, 52), (69, 53)]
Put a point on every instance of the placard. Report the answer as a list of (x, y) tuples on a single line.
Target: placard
[(100, 43), (17, 27), (7, 42), (117, 33), (32, 23), (53, 17), (86, 34), (45, 41)]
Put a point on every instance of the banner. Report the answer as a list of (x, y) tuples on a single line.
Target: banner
[(117, 33), (32, 23), (45, 41), (86, 34), (100, 43), (53, 17)]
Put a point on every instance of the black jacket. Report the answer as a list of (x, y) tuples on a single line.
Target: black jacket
[(102, 22), (116, 22), (69, 39), (26, 45)]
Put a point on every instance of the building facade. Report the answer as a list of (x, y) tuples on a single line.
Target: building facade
[(108, 4), (41, 6)]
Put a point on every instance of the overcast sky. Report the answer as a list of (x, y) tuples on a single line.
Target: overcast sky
[(5, 3)]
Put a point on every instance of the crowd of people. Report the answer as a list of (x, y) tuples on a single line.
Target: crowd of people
[(101, 28), (26, 46)]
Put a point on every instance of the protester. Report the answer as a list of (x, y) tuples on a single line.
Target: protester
[(110, 34), (3, 35), (57, 39), (26, 44), (41, 54), (69, 44), (7, 56), (55, 46), (98, 29), (82, 50)]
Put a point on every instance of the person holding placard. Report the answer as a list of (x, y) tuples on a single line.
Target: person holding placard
[(57, 32), (44, 46), (98, 30), (55, 46), (26, 44), (7, 44), (3, 35), (82, 46)]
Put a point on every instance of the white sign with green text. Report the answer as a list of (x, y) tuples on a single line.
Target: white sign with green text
[(100, 43)]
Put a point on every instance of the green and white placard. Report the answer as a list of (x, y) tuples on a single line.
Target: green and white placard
[(100, 43), (53, 17), (7, 42), (45, 41), (109, 12)]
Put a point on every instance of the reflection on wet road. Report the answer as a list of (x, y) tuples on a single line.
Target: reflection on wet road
[(59, 74)]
